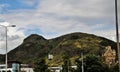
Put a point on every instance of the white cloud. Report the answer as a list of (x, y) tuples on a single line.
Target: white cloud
[(86, 8), (4, 24)]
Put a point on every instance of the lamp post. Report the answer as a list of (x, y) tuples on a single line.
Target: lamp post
[(6, 42), (117, 33)]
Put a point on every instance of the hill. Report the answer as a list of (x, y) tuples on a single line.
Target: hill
[(36, 46)]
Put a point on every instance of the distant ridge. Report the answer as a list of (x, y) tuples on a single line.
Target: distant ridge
[(36, 46)]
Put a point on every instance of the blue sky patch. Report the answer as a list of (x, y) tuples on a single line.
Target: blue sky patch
[(35, 30), (16, 5)]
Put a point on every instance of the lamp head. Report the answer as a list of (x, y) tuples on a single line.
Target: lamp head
[(13, 25)]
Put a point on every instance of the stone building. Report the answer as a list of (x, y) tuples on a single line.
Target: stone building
[(109, 55)]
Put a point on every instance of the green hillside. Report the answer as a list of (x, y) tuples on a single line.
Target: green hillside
[(36, 46)]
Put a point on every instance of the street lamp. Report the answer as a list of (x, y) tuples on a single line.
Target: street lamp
[(6, 41), (117, 33)]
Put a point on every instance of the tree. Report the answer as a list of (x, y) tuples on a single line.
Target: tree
[(40, 66), (79, 65), (115, 68), (92, 63), (66, 67)]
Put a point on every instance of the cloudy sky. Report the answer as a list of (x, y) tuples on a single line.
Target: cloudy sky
[(52, 18)]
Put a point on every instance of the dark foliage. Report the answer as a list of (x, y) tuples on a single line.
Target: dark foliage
[(92, 63), (40, 66)]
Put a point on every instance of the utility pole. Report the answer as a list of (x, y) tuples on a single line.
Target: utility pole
[(82, 62), (117, 33)]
